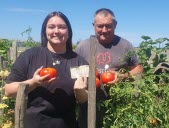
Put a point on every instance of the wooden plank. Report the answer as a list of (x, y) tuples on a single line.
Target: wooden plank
[(4, 65), (20, 50), (21, 105), (92, 86), (1, 101), (13, 51), (1, 62)]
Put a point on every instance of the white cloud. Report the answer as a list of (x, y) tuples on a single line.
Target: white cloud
[(25, 10)]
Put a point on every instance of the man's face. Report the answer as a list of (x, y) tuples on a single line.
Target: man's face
[(104, 27)]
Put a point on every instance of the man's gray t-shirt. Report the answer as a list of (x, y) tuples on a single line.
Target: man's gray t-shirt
[(119, 54)]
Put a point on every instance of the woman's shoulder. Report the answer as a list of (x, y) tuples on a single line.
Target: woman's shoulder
[(34, 50), (30, 52)]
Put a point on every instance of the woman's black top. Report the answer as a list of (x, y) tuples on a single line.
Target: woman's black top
[(52, 106)]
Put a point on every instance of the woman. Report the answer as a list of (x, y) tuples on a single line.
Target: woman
[(51, 103)]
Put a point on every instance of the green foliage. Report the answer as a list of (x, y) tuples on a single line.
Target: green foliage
[(4, 46), (126, 109), (8, 117), (136, 104), (30, 42), (147, 47)]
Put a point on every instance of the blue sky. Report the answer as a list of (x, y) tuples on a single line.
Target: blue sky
[(135, 17)]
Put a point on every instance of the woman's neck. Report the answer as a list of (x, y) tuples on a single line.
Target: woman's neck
[(59, 49)]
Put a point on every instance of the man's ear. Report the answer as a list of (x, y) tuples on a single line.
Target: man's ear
[(115, 24), (93, 26)]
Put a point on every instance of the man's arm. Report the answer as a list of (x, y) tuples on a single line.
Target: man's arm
[(134, 70)]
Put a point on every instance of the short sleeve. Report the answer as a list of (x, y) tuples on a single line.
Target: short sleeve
[(19, 69)]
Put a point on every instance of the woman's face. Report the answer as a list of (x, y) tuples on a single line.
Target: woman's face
[(57, 31)]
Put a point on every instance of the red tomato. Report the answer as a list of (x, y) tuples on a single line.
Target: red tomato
[(97, 74), (51, 71), (132, 67), (107, 77), (97, 83), (154, 121)]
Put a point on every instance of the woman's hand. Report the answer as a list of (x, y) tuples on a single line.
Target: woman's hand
[(37, 80), (80, 89), (80, 83)]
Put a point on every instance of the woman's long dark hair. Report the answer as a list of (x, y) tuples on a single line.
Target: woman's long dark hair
[(44, 39)]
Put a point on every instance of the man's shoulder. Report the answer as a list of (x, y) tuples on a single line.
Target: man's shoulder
[(84, 42), (87, 40), (125, 42), (83, 45), (83, 49)]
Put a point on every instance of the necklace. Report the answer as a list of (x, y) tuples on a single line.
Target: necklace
[(55, 62)]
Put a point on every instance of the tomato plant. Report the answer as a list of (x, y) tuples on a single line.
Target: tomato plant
[(51, 71), (107, 77), (142, 103)]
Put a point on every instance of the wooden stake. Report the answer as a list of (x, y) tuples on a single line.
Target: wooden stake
[(21, 105), (92, 86)]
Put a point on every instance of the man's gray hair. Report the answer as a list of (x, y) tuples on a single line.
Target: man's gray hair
[(105, 12)]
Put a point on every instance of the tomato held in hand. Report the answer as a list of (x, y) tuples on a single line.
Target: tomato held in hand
[(97, 82), (97, 74), (107, 77), (51, 71)]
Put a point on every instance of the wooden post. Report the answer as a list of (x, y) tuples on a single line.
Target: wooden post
[(21, 105), (4, 64), (1, 62), (92, 86), (8, 54), (1, 101), (13, 51)]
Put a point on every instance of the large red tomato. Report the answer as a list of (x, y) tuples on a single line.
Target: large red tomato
[(107, 77), (97, 82), (51, 71), (132, 67), (97, 74)]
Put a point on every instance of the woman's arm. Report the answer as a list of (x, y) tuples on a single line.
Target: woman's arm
[(34, 82)]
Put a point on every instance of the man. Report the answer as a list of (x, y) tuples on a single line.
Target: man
[(112, 52)]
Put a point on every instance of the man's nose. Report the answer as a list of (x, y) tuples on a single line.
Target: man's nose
[(104, 29)]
